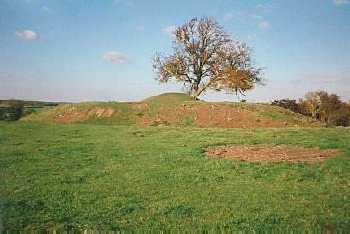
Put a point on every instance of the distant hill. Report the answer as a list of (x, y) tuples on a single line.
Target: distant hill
[(174, 109)]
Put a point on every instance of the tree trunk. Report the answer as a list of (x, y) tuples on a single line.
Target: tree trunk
[(194, 91)]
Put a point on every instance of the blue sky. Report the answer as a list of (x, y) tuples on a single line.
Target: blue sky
[(78, 50)]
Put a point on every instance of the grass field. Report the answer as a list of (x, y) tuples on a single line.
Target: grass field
[(128, 177)]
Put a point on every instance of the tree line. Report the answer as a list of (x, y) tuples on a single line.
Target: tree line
[(320, 105), (12, 110)]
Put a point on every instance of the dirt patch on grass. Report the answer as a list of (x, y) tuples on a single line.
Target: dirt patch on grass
[(271, 153)]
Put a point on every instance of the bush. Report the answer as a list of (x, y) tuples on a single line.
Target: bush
[(11, 113), (320, 105), (288, 104), (340, 118)]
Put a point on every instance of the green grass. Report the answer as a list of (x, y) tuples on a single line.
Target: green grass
[(168, 101), (169, 98), (125, 177), (273, 112)]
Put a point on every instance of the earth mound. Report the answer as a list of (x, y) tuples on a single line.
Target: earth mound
[(271, 153), (175, 109)]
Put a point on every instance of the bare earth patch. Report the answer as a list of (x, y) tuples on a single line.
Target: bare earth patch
[(271, 153)]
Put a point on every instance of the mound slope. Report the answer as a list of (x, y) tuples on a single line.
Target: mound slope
[(176, 110), (168, 98)]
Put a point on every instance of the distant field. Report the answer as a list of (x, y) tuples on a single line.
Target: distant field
[(127, 177)]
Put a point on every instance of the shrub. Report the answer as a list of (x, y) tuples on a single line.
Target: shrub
[(341, 117), (320, 105), (11, 113), (288, 104)]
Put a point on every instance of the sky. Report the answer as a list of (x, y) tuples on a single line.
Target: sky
[(102, 50)]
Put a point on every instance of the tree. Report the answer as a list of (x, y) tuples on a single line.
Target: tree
[(205, 57), (341, 117), (327, 108), (320, 105), (330, 105), (313, 103)]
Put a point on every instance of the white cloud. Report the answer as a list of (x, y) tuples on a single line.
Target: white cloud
[(341, 2), (27, 35), (264, 24), (115, 57), (169, 30)]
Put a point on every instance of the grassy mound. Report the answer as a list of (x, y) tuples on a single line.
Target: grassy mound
[(175, 109), (168, 99)]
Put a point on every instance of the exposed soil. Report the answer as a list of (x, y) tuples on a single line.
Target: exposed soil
[(70, 115), (271, 153), (73, 115), (227, 117), (101, 112), (203, 115), (209, 115)]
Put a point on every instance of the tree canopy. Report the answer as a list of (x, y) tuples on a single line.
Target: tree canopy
[(205, 57)]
